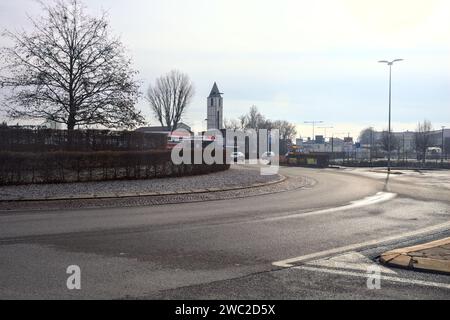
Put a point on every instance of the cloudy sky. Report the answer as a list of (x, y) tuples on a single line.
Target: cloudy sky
[(296, 60)]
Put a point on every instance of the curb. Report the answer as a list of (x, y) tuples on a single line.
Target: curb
[(410, 257), (148, 194)]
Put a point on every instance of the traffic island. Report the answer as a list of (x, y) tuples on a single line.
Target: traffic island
[(428, 257), (204, 188)]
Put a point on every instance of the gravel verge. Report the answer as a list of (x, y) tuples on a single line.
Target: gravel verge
[(236, 177), (291, 183)]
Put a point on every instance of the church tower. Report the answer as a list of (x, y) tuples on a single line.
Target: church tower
[(215, 109)]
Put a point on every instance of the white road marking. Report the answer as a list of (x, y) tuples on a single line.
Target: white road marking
[(290, 262), (382, 277), (351, 260), (377, 198)]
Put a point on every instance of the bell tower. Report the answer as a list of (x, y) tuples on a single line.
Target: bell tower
[(215, 109)]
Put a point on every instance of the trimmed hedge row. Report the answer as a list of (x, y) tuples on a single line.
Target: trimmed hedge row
[(46, 140), (60, 166)]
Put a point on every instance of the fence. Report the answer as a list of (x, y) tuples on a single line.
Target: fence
[(43, 140)]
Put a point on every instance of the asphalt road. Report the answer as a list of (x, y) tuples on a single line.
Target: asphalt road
[(311, 243)]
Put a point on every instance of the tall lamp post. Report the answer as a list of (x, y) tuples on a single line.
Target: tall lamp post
[(325, 136), (390, 63), (325, 128), (371, 145), (314, 122)]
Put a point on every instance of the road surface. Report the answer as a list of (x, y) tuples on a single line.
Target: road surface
[(319, 242)]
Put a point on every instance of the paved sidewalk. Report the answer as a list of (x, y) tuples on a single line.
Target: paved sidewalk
[(432, 257)]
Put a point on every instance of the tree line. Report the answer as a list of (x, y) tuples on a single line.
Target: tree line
[(253, 119)]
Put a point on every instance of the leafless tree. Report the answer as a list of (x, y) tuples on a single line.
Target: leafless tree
[(243, 121), (70, 70), (170, 97), (232, 124), (254, 119), (422, 138), (287, 130), (366, 136), (395, 143)]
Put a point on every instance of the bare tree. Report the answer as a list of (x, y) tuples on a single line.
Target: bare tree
[(287, 130), (366, 136), (422, 138), (232, 124), (254, 119), (395, 142), (170, 97), (70, 70), (243, 121)]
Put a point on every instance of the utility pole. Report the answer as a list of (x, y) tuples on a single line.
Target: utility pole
[(313, 122), (371, 144), (390, 63), (325, 136), (404, 150), (325, 129), (443, 147), (332, 147)]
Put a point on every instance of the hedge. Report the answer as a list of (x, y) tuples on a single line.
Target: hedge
[(44, 140), (63, 166)]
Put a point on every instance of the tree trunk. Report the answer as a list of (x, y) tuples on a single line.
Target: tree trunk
[(70, 128)]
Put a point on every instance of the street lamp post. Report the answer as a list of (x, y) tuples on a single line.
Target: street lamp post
[(325, 136), (390, 63), (404, 151), (371, 145), (314, 122), (325, 129)]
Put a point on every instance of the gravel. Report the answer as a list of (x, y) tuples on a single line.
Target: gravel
[(292, 183), (236, 176)]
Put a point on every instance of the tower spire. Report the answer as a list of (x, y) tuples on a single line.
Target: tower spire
[(215, 109), (215, 91)]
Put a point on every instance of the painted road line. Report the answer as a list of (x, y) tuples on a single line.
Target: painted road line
[(290, 262), (371, 200), (350, 260), (382, 277)]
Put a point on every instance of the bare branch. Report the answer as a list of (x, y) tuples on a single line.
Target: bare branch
[(70, 70), (170, 97)]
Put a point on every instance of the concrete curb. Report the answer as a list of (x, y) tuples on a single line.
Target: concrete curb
[(415, 257), (148, 194)]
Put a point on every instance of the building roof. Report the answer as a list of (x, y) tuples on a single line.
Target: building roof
[(215, 91)]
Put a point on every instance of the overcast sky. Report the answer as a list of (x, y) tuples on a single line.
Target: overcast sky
[(296, 60)]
